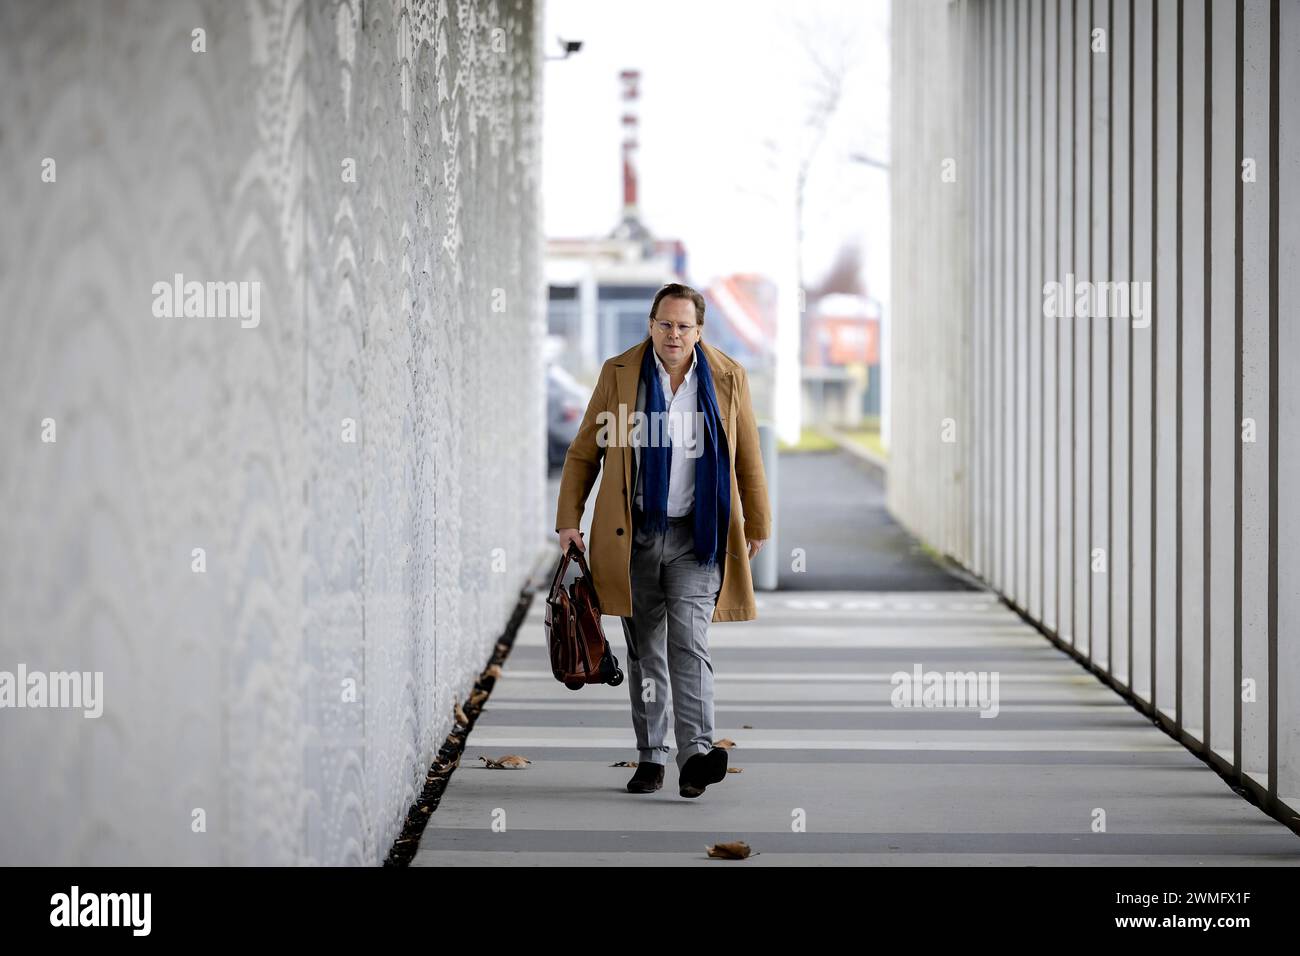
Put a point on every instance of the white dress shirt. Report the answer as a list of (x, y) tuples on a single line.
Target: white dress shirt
[(682, 408)]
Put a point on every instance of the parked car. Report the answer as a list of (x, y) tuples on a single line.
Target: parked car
[(566, 400)]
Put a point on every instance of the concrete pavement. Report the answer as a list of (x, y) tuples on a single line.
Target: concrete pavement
[(830, 772), (835, 511), (805, 694)]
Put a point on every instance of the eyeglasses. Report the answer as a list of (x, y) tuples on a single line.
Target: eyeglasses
[(682, 330)]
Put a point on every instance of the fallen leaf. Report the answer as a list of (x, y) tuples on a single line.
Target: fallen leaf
[(725, 743), (729, 851), (460, 715), (735, 770), (747, 726), (508, 762), (624, 763), (493, 671), (477, 698)]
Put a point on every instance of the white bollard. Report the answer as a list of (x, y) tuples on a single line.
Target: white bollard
[(764, 566)]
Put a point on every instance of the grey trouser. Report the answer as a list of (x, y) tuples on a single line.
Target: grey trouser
[(669, 585)]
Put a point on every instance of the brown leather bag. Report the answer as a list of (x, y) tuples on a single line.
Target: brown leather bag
[(580, 654)]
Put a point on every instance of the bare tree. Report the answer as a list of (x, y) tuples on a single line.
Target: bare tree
[(825, 47)]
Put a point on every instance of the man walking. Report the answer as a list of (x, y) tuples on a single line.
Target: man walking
[(682, 508)]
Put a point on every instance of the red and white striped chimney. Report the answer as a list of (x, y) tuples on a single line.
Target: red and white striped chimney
[(630, 80)]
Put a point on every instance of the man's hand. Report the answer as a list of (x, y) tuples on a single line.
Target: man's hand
[(571, 535), (755, 546)]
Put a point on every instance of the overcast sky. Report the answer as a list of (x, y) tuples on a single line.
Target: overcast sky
[(718, 77)]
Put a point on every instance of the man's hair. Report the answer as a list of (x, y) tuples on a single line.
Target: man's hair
[(676, 290)]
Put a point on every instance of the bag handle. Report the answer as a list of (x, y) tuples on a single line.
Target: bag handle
[(571, 553), (559, 571), (582, 561), (586, 573)]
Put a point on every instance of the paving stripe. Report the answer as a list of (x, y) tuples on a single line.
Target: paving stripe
[(1084, 739)]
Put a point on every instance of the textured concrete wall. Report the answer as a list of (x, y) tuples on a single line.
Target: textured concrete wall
[(1124, 483), (407, 301)]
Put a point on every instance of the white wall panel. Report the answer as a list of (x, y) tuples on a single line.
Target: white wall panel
[(1137, 427), (1165, 331)]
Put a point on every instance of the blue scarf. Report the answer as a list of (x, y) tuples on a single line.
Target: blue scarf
[(712, 469)]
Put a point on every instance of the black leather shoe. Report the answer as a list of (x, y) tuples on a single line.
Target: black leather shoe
[(700, 770), (648, 778)]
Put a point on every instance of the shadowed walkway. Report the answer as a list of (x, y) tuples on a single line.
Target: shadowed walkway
[(835, 510), (805, 694)]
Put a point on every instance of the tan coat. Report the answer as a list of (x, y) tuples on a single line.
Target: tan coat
[(609, 547)]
